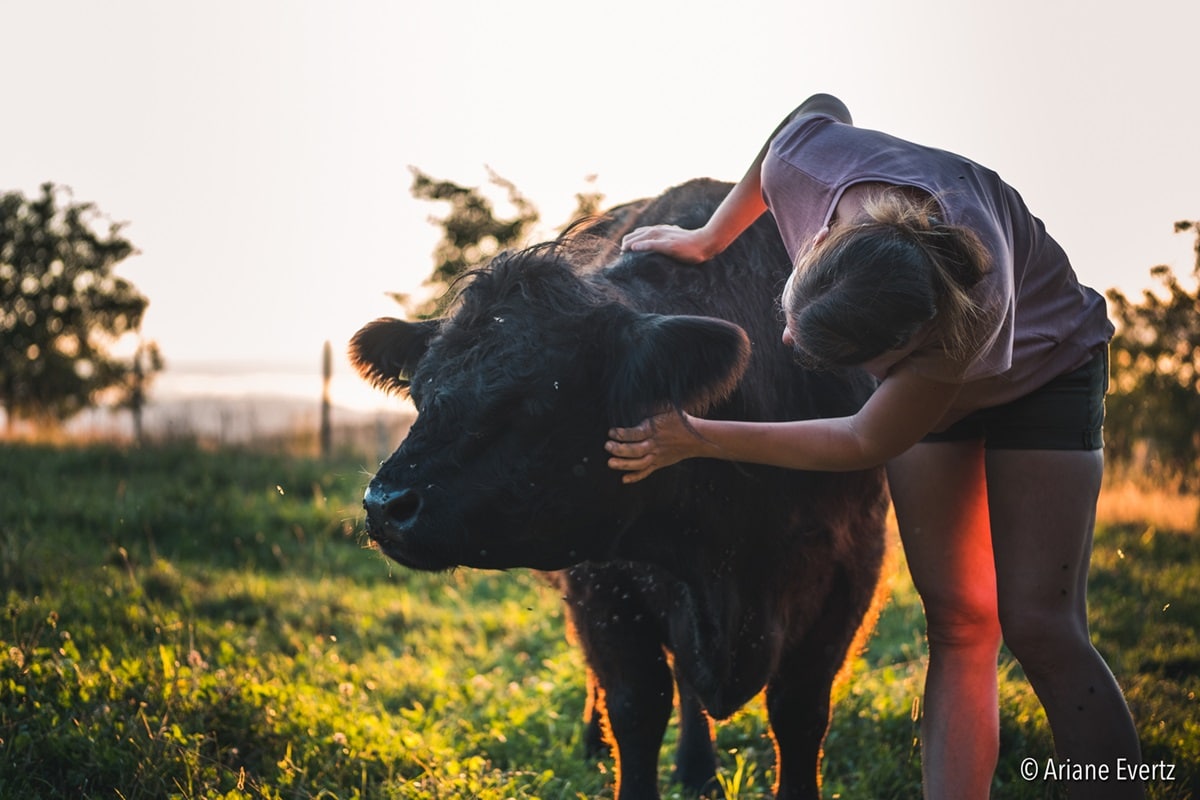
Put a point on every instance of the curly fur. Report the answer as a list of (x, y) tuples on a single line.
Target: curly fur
[(748, 576)]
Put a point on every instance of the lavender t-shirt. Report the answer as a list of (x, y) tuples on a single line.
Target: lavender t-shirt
[(1041, 321)]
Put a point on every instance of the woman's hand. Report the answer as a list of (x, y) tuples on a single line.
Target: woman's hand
[(690, 246), (660, 441)]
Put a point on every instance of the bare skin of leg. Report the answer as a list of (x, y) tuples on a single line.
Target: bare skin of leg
[(1007, 537), (940, 496), (1043, 511)]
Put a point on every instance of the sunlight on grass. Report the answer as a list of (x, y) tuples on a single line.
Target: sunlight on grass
[(194, 624), (1133, 500)]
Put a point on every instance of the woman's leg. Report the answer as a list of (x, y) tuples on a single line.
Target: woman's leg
[(940, 497), (1043, 510)]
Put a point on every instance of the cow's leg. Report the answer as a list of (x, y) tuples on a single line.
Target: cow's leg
[(798, 698), (798, 707), (636, 693), (630, 684), (695, 760), (594, 745)]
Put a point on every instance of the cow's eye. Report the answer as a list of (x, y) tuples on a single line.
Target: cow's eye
[(416, 390)]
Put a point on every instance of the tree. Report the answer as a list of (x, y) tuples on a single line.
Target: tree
[(62, 309), (587, 203), (471, 234), (147, 362), (1156, 361)]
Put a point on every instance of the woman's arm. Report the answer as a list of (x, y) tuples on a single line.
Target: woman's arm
[(902, 410), (740, 208)]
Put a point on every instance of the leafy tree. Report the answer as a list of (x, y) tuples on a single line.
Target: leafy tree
[(62, 309), (588, 203), (131, 390), (1156, 360), (471, 234)]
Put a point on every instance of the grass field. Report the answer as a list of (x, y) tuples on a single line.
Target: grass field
[(182, 623)]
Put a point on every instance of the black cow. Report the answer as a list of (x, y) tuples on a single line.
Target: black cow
[(720, 577)]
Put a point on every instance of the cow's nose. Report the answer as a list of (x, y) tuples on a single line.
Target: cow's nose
[(397, 507)]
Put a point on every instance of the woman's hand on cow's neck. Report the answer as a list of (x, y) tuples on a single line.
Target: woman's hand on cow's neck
[(656, 442)]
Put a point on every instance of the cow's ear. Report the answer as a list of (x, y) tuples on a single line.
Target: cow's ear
[(680, 362), (385, 352)]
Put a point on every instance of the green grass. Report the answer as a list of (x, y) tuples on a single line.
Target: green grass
[(182, 623)]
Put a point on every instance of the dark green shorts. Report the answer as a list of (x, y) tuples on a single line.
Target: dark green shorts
[(1065, 414)]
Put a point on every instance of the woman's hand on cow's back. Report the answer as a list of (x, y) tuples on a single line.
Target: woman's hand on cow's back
[(689, 246)]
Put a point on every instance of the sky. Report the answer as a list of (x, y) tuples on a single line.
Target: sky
[(259, 153)]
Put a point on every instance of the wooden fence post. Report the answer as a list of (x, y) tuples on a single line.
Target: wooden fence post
[(326, 436)]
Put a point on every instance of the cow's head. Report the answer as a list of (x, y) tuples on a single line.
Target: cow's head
[(515, 392)]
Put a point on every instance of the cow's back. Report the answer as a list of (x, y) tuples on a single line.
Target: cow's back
[(741, 285)]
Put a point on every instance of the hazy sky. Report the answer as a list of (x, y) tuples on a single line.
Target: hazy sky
[(259, 150)]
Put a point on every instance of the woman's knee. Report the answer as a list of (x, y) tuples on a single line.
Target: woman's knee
[(1043, 640), (962, 624)]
